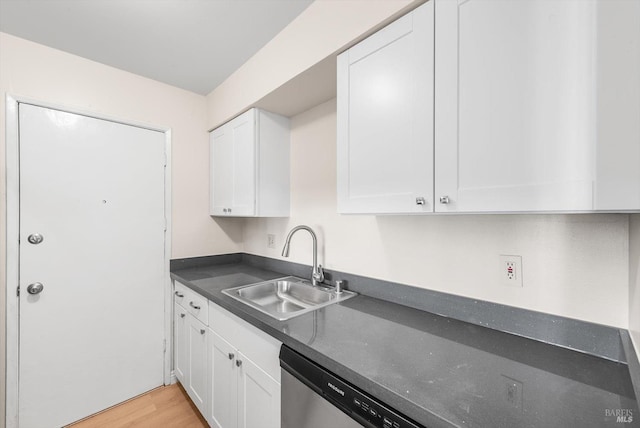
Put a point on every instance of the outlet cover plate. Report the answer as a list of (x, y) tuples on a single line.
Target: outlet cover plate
[(510, 270), (271, 240), (513, 392)]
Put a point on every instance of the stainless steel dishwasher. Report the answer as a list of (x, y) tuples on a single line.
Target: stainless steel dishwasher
[(313, 397)]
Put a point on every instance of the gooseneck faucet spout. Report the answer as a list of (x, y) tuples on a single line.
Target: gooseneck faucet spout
[(317, 276)]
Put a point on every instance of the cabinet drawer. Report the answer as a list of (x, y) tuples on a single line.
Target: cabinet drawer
[(254, 343), (180, 294), (192, 302), (198, 306)]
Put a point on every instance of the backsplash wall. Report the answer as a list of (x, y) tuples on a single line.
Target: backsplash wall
[(575, 266)]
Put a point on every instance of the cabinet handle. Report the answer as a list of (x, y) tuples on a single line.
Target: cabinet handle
[(420, 201), (179, 294), (181, 315), (444, 200), (231, 356), (224, 210), (202, 331), (229, 209), (238, 363), (193, 306)]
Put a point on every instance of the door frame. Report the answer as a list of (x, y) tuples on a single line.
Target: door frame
[(13, 247)]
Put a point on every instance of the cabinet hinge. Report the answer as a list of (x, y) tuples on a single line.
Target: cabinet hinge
[(164, 346), (165, 224), (18, 291)]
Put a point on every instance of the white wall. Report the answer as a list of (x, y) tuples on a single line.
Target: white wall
[(324, 28), (634, 281), (35, 71), (573, 265)]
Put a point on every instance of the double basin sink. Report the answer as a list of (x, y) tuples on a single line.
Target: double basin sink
[(287, 297)]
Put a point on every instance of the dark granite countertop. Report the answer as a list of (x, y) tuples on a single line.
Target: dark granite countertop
[(438, 371)]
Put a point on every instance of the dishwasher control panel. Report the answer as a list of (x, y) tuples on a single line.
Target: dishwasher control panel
[(366, 410)]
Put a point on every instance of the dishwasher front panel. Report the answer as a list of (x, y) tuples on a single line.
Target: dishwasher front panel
[(302, 407)]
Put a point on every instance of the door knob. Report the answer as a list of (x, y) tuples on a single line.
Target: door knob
[(35, 288), (35, 238)]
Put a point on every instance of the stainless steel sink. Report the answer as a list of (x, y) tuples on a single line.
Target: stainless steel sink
[(286, 298)]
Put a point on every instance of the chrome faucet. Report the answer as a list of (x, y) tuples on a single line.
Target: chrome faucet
[(317, 276)]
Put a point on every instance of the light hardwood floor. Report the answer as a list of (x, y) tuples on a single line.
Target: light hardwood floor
[(166, 407)]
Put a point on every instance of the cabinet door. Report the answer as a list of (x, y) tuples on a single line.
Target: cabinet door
[(221, 150), (385, 119), (243, 161), (233, 167), (180, 349), (515, 99), (258, 397), (196, 385), (222, 383)]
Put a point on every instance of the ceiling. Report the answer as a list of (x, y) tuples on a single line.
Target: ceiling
[(191, 44)]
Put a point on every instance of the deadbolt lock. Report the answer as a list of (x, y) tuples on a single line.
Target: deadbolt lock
[(35, 238)]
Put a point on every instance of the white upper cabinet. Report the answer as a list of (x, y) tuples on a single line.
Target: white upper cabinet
[(250, 166), (517, 109), (536, 107), (385, 119)]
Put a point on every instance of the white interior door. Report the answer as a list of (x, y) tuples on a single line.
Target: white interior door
[(94, 335)]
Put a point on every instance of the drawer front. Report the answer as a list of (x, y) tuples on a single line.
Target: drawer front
[(255, 344), (180, 293), (192, 302), (198, 306)]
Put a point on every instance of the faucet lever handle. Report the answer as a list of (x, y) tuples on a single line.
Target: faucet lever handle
[(318, 275), (339, 286)]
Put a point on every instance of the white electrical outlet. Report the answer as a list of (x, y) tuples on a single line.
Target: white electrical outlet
[(271, 240), (511, 270)]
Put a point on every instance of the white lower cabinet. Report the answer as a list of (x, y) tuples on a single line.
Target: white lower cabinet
[(196, 384), (223, 383), (244, 374), (180, 353), (190, 355), (258, 397), (230, 369)]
